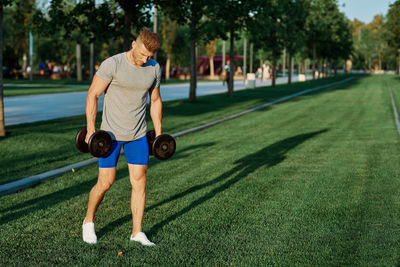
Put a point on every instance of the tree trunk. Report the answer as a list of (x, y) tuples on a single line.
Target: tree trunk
[(92, 68), (284, 63), (127, 30), (232, 64), (193, 71), (244, 58), (379, 61), (251, 57), (290, 70), (335, 67), (319, 69), (273, 68), (167, 67), (398, 63), (155, 27), (223, 56), (78, 62), (313, 59), (2, 125), (212, 67)]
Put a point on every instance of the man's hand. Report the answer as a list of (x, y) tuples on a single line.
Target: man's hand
[(89, 134)]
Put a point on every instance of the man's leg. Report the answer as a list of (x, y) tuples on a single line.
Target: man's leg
[(137, 176), (105, 180)]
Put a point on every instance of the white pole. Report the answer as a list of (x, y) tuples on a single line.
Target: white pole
[(30, 55), (244, 57), (223, 55)]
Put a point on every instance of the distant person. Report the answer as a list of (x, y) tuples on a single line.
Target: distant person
[(227, 68), (258, 73), (41, 68), (238, 71), (28, 71), (126, 79), (266, 73)]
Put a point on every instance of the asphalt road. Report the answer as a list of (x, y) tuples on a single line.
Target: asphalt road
[(24, 109)]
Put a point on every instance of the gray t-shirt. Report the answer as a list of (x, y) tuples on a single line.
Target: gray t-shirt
[(124, 111)]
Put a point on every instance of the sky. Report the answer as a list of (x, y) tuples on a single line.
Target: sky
[(364, 10)]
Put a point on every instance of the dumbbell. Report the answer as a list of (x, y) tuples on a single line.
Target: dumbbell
[(162, 147), (99, 145)]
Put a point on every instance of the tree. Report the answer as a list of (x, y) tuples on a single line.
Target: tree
[(317, 22), (378, 39), (3, 3), (293, 20), (230, 16), (136, 15), (191, 13), (168, 34), (328, 33), (23, 13), (211, 48), (393, 29), (267, 29), (80, 22), (338, 40)]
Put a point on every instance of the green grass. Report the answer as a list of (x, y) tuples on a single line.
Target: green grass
[(313, 181), (30, 149), (46, 86)]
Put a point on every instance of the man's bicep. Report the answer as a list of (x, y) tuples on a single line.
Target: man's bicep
[(155, 94)]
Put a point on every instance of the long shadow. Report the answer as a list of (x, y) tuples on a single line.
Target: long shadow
[(268, 156), (44, 202)]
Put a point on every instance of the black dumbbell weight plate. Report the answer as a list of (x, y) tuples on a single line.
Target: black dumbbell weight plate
[(164, 147), (80, 143), (100, 144)]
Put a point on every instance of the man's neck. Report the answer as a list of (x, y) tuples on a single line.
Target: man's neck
[(129, 55)]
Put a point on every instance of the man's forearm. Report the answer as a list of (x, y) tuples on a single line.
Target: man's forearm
[(156, 115), (91, 112)]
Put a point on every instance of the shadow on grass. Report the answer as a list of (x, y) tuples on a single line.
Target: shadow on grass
[(268, 156), (47, 201)]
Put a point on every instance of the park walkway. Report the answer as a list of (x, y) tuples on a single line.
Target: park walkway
[(24, 109)]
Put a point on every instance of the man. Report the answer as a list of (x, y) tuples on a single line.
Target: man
[(127, 79)]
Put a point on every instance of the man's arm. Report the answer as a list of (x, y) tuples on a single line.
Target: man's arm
[(96, 89), (156, 109)]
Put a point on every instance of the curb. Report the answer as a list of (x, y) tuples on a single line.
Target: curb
[(23, 183), (395, 113)]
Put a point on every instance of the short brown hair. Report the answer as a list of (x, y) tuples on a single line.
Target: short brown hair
[(150, 40)]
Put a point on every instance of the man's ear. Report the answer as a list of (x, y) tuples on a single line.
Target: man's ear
[(133, 44)]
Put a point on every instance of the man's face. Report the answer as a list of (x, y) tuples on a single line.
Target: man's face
[(140, 54)]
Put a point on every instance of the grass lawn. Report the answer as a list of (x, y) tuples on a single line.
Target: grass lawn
[(33, 148), (313, 181), (47, 86)]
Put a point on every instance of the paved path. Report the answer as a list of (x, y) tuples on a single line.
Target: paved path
[(23, 109)]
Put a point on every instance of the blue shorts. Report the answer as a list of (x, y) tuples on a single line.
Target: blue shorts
[(136, 152)]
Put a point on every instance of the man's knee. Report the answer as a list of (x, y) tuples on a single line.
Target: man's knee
[(137, 173), (104, 185), (138, 177), (106, 179)]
